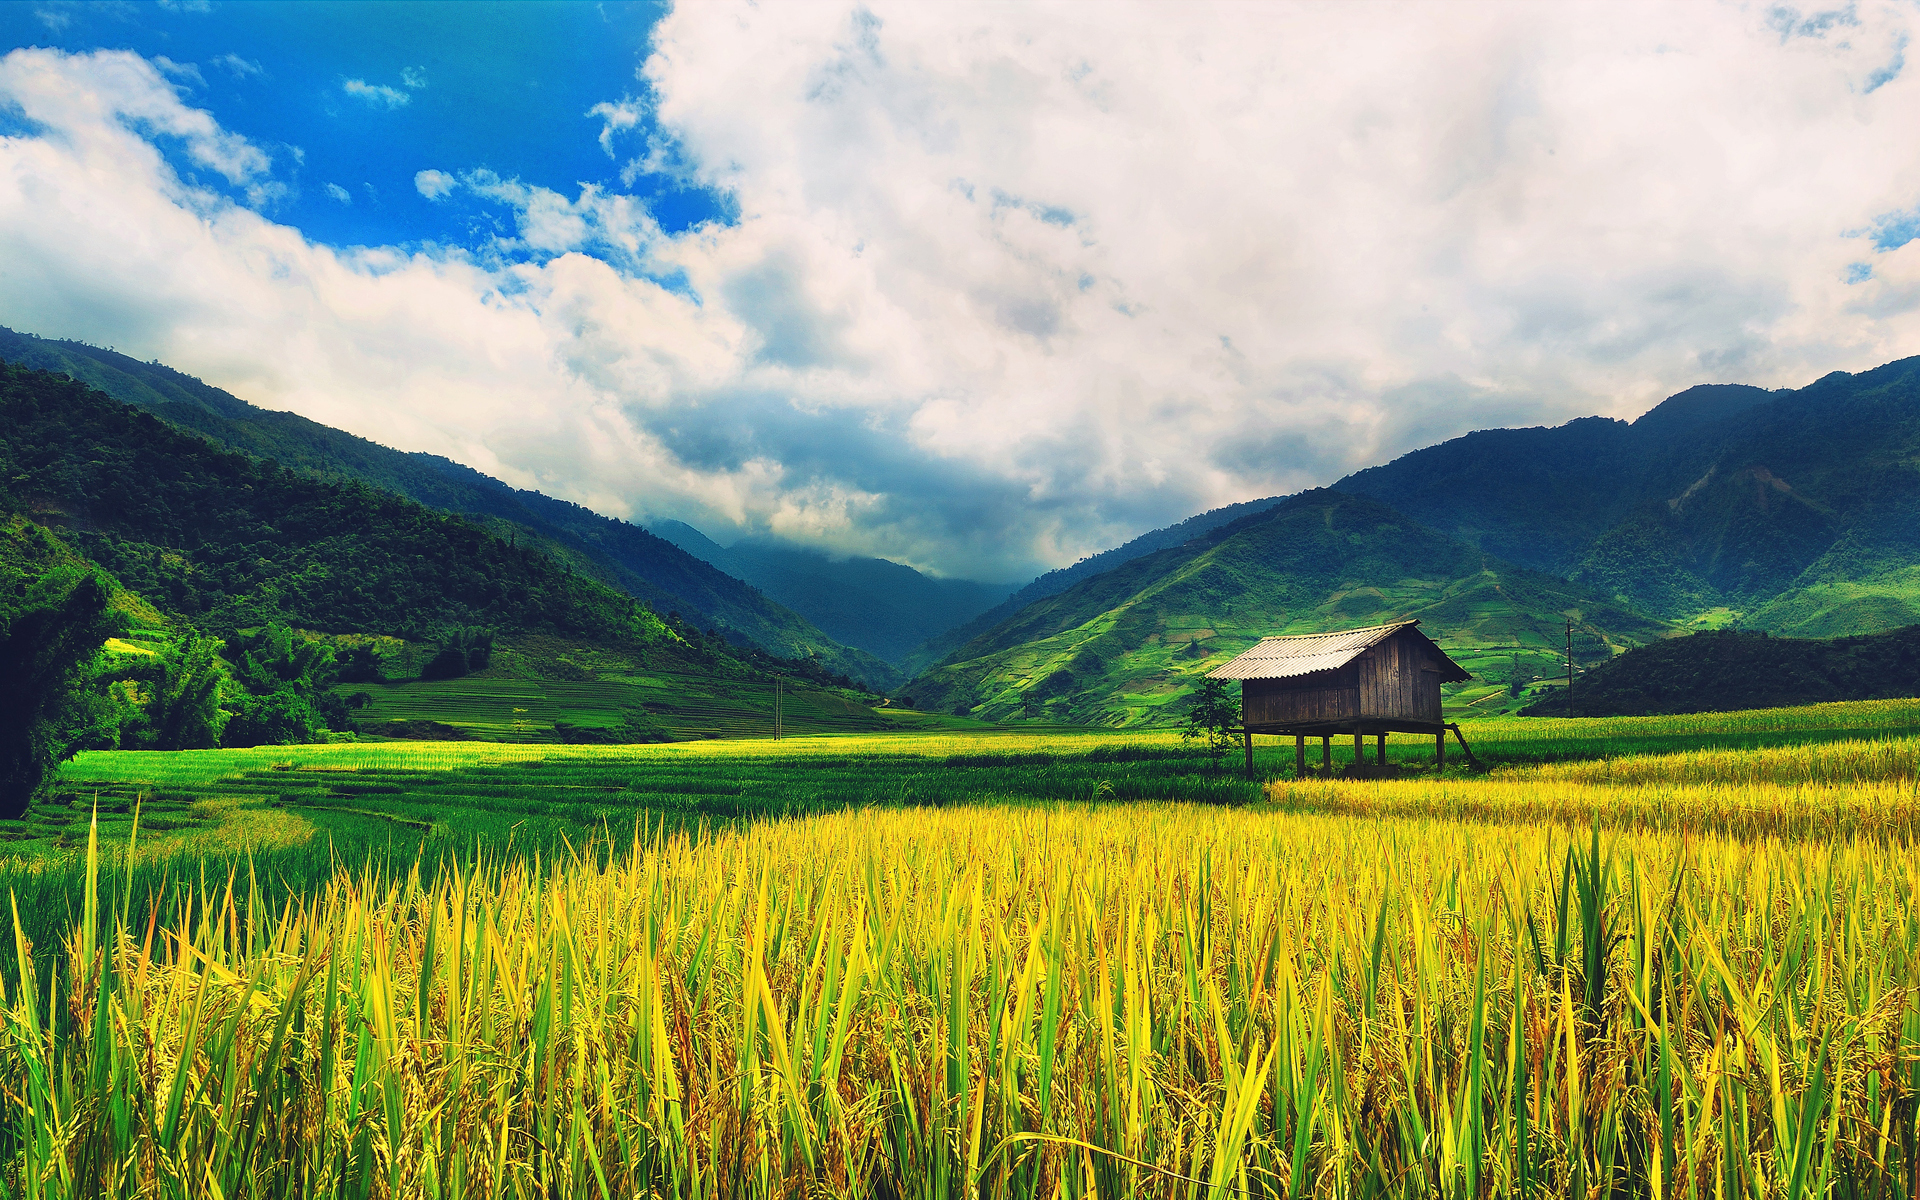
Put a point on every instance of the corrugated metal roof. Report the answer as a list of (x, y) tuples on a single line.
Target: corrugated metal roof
[(1303, 654)]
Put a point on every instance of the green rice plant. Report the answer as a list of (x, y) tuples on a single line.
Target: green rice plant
[(1038, 1000)]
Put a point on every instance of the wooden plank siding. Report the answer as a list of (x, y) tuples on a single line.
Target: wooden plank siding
[(1399, 679), (1321, 696), (1396, 681)]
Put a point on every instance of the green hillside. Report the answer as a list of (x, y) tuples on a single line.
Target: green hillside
[(1792, 511), (623, 556), (1123, 648), (938, 648)]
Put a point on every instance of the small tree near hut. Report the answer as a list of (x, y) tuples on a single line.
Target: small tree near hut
[(1213, 718)]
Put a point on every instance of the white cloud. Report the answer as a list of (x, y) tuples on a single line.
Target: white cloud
[(378, 95), (434, 185), (616, 228), (187, 6), (1008, 285), (241, 68), (413, 77), (616, 117), (185, 72), (339, 193), (54, 19), (108, 106)]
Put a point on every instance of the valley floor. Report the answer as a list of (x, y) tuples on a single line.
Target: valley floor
[(1670, 956)]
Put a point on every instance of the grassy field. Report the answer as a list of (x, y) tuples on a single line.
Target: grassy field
[(1667, 956)]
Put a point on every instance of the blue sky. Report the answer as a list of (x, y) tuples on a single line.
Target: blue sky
[(979, 287), (362, 96)]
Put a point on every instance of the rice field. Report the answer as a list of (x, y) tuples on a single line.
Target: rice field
[(1064, 968)]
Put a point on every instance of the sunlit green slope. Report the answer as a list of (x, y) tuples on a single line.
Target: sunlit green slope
[(1124, 647)]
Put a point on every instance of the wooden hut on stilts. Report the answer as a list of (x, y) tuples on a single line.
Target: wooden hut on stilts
[(1379, 680)]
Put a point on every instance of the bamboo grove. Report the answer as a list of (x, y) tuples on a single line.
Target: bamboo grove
[(1072, 1000)]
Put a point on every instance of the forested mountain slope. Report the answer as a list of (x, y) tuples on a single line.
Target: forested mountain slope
[(234, 542), (1725, 670), (879, 606), (620, 554), (1799, 511), (1123, 647)]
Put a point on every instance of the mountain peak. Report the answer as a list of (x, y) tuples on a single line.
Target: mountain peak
[(1702, 404)]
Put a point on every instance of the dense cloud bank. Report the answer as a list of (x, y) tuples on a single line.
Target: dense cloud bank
[(1008, 284)]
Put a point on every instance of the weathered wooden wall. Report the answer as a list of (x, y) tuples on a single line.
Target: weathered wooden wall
[(1399, 679), (1322, 696)]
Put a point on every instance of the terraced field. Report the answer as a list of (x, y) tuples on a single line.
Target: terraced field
[(536, 685), (680, 706)]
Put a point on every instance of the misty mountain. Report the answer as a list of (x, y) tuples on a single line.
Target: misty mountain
[(876, 605), (622, 555)]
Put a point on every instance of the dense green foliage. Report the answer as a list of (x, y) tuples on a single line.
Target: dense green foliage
[(51, 626), (1723, 670), (170, 698), (462, 651), (1121, 647), (623, 556)]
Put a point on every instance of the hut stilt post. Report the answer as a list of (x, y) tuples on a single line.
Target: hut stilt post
[(1299, 756)]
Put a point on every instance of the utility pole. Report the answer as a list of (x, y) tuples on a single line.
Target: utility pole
[(1569, 666), (779, 696)]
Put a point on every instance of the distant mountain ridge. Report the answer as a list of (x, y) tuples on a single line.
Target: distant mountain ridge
[(1796, 511), (617, 553), (879, 606)]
